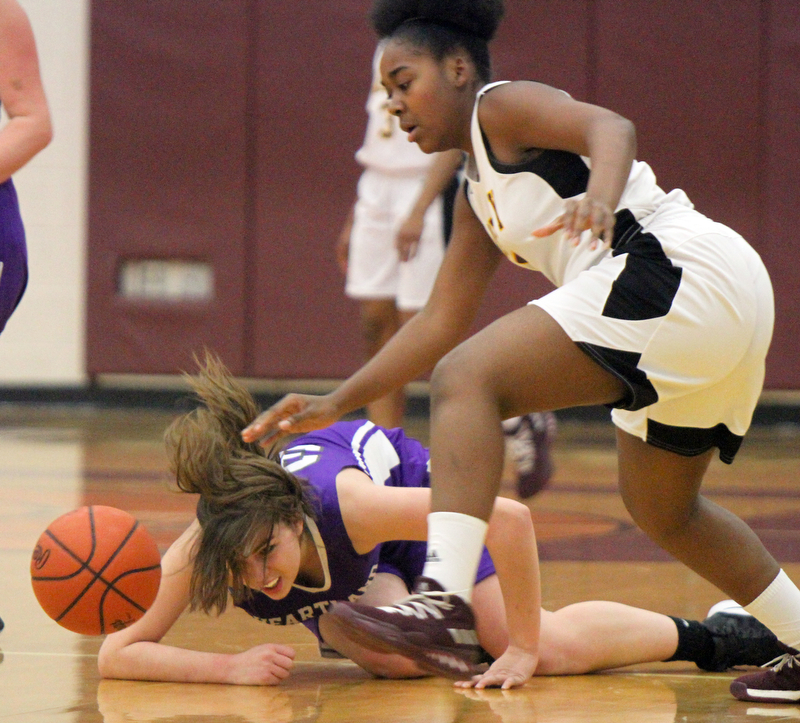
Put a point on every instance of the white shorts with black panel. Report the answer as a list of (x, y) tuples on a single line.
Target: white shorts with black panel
[(682, 312)]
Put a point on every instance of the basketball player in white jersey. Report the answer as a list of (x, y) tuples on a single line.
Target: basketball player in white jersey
[(659, 312)]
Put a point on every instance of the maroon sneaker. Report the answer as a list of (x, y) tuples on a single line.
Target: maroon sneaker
[(434, 628), (529, 439), (779, 682)]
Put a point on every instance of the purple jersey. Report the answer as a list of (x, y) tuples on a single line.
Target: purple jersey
[(388, 457), (13, 253)]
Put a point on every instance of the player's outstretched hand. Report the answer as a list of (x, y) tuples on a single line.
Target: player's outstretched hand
[(512, 669), (266, 664), (578, 216), (294, 414)]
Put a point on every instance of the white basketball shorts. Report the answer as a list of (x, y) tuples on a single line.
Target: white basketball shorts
[(682, 312), (374, 269)]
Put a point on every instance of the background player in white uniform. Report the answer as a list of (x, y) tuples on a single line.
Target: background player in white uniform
[(393, 241), (670, 326)]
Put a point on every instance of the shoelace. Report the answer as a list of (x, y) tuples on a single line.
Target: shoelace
[(422, 605), (785, 660)]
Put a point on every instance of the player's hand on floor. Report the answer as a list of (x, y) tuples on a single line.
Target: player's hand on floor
[(266, 664), (512, 669), (294, 414)]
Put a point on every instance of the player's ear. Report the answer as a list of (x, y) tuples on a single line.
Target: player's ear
[(459, 70)]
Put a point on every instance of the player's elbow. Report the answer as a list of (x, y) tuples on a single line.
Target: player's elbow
[(108, 659)]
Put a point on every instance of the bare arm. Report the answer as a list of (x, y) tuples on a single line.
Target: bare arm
[(468, 266), (440, 173), (522, 116), (29, 129), (135, 653)]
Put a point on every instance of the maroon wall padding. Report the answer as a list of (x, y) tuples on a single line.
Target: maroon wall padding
[(780, 146), (167, 176), (226, 132), (314, 66)]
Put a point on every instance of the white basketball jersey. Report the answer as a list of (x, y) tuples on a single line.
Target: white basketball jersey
[(512, 201)]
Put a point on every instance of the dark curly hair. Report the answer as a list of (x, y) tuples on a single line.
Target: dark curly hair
[(442, 26), (244, 491)]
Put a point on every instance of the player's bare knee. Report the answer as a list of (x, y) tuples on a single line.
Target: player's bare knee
[(454, 375), (663, 522), (561, 654)]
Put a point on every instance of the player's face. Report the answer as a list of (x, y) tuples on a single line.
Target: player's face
[(275, 564), (432, 100)]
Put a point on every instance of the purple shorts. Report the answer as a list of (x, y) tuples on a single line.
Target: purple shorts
[(13, 253)]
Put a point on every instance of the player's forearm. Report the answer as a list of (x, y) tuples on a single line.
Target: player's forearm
[(146, 660), (20, 140), (410, 353), (612, 148), (512, 543), (441, 171)]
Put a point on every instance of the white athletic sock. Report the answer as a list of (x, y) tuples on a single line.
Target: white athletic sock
[(778, 607), (455, 545)]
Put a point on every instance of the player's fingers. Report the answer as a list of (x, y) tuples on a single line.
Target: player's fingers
[(283, 666), (286, 651), (266, 425), (581, 220), (550, 229), (602, 224)]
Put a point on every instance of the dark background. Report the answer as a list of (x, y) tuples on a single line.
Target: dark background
[(224, 131)]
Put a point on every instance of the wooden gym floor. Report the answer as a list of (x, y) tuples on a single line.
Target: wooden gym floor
[(53, 460)]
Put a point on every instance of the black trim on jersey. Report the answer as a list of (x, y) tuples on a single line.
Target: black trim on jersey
[(624, 365), (646, 287), (566, 173), (691, 441)]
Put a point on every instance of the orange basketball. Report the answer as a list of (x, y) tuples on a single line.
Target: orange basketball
[(95, 570)]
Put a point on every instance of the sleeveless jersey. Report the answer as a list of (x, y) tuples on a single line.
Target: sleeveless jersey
[(388, 457), (513, 200)]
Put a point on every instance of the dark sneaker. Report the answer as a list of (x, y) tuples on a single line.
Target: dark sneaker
[(434, 628), (779, 682), (2, 624), (529, 439), (740, 639)]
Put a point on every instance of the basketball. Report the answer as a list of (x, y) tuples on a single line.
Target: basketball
[(95, 570)]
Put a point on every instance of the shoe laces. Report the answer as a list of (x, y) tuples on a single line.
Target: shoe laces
[(432, 604), (787, 660)]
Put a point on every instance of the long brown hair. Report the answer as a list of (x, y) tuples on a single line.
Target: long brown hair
[(244, 491)]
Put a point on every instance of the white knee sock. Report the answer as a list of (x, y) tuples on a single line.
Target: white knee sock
[(778, 607), (455, 545)]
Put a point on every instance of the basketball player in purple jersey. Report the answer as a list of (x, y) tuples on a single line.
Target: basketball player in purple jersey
[(27, 132), (327, 524)]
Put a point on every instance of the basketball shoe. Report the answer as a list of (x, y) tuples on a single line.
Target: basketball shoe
[(739, 639), (528, 440), (778, 682), (434, 628)]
